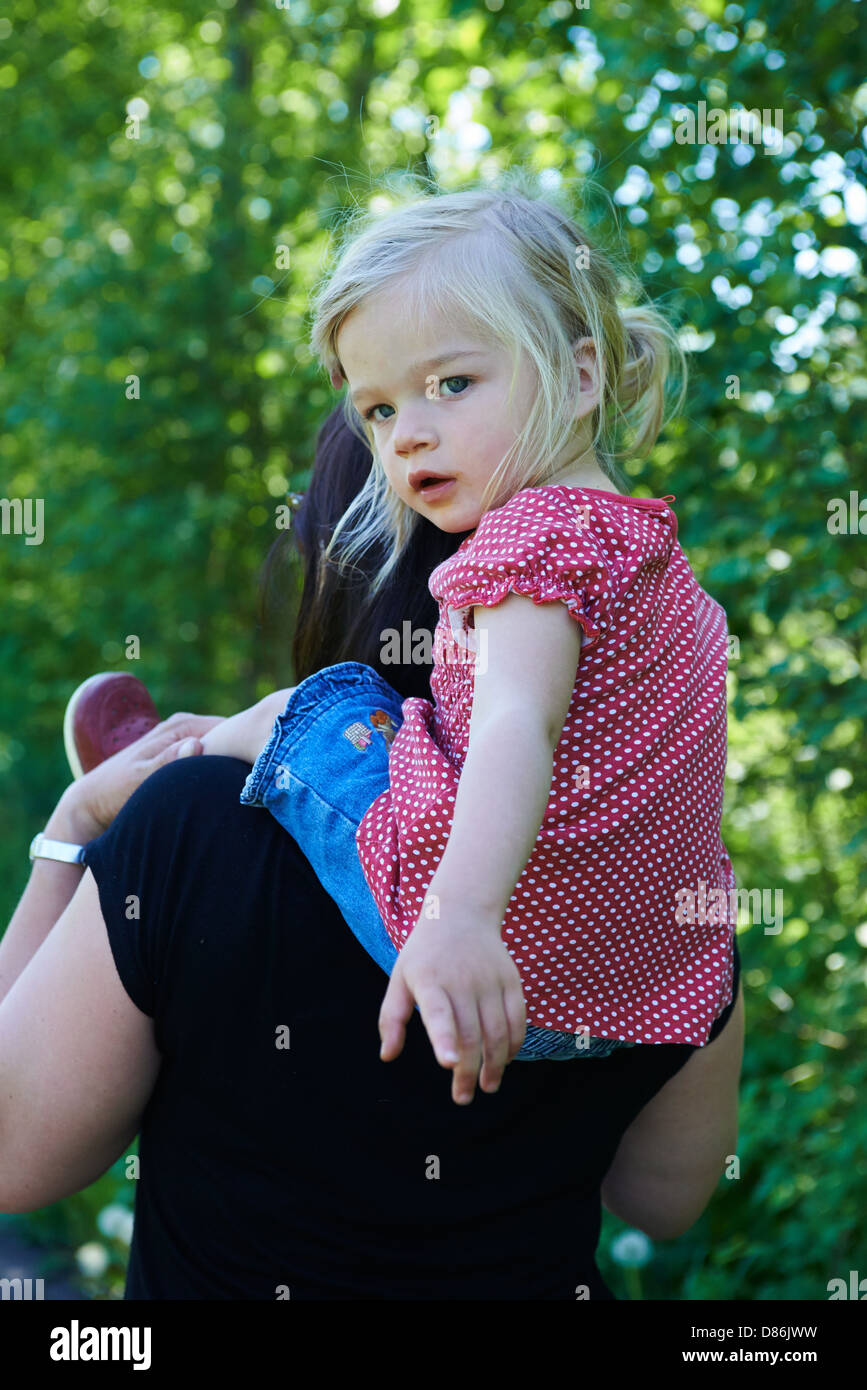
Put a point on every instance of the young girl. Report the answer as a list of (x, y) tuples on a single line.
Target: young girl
[(518, 853)]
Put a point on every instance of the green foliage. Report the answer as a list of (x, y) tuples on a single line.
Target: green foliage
[(159, 257)]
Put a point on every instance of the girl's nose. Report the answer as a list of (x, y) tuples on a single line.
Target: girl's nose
[(412, 430)]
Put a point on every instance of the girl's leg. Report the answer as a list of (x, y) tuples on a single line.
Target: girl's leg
[(320, 762), (324, 764), (244, 735)]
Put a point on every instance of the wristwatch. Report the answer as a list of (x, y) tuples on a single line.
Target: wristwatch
[(41, 848)]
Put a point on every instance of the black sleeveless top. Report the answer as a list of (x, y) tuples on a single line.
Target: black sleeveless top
[(279, 1156)]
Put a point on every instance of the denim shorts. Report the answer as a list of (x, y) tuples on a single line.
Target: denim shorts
[(323, 766)]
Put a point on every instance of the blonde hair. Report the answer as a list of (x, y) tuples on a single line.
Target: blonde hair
[(519, 270)]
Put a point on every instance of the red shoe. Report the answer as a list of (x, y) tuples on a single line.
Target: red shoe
[(106, 713)]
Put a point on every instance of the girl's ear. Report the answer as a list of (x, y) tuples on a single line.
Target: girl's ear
[(336, 378), (584, 351)]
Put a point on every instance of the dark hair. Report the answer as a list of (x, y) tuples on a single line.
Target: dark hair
[(337, 619)]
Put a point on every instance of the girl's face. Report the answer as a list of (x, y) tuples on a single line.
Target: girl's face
[(437, 401)]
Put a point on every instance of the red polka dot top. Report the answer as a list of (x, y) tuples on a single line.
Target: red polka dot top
[(620, 921)]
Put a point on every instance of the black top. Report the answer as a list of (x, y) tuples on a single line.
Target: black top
[(314, 1170)]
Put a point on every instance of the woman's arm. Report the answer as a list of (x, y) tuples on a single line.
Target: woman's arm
[(77, 1063), (49, 890), (77, 1058), (672, 1156), (84, 811)]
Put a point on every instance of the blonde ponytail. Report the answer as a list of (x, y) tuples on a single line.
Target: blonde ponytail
[(652, 356)]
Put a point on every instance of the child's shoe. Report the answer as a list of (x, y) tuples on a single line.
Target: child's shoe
[(106, 713)]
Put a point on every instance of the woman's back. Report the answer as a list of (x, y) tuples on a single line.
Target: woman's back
[(279, 1156)]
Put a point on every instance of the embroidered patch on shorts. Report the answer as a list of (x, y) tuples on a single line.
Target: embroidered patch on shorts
[(360, 737), (384, 724)]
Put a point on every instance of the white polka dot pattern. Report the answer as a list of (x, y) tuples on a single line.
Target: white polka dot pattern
[(591, 924)]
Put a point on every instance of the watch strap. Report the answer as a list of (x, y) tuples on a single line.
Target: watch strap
[(43, 848)]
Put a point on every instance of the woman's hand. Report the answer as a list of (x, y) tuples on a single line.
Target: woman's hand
[(469, 994), (92, 802)]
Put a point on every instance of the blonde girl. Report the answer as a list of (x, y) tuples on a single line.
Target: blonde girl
[(531, 854)]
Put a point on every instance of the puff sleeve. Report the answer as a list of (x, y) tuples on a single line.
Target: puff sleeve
[(540, 545)]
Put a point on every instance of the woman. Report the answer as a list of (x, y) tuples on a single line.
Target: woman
[(175, 989)]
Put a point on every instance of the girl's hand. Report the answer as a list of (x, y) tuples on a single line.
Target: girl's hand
[(95, 799), (469, 994)]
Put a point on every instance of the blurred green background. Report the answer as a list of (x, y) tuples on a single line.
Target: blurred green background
[(167, 193)]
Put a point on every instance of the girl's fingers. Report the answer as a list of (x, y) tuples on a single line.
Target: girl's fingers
[(441, 1024), (437, 1015), (395, 1011), (516, 1017), (496, 1040), (469, 1048), (468, 1035)]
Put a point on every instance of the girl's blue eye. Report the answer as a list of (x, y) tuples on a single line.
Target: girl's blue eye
[(368, 414), (454, 378)]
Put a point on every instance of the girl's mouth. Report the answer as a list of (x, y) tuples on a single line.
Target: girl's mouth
[(434, 489)]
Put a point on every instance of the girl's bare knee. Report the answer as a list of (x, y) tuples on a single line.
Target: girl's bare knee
[(272, 705)]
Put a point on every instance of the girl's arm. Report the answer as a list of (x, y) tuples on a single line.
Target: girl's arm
[(521, 696), (454, 964)]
